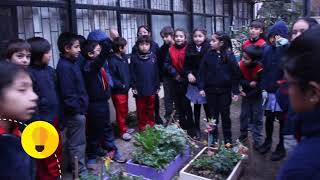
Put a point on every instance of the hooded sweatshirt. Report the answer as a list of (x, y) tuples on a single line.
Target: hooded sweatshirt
[(271, 59)]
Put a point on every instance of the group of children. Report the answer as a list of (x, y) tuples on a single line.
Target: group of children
[(93, 70)]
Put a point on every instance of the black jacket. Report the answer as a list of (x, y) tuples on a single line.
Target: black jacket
[(45, 86), (216, 76), (71, 86), (144, 74), (93, 79), (163, 54), (193, 59), (120, 72)]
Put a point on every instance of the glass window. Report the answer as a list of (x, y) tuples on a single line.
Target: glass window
[(129, 27), (226, 8), (8, 30), (158, 22), (181, 5), (209, 6), (245, 10), (134, 3), (98, 2), (89, 20), (241, 9), (43, 22), (45, 0), (219, 7), (199, 22), (182, 21), (209, 26), (227, 24), (219, 23), (198, 6), (161, 4), (235, 8)]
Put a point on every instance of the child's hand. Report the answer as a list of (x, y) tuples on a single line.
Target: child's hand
[(134, 91), (191, 78), (202, 93), (235, 98), (243, 94), (253, 84), (178, 78), (158, 90)]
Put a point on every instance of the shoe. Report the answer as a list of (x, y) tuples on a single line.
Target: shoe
[(116, 156), (92, 164), (243, 137), (100, 152), (159, 120), (130, 130), (126, 137), (228, 143), (266, 146), (278, 154), (197, 135)]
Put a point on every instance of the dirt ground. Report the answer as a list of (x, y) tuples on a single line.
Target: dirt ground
[(257, 167)]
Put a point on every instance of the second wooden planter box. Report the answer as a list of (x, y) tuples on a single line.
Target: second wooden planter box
[(234, 175)]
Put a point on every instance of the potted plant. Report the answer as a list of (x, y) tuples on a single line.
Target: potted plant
[(217, 164), (160, 152)]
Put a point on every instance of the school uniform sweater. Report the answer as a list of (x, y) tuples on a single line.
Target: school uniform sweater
[(193, 58), (119, 69), (249, 74), (216, 76), (45, 86), (71, 85), (97, 83), (144, 74)]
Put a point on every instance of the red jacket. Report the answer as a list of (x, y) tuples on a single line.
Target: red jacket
[(250, 74), (260, 42), (15, 131), (177, 56)]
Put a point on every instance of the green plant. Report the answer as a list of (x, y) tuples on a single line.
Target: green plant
[(217, 166), (125, 176), (156, 147)]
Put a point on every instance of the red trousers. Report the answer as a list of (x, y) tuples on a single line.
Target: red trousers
[(120, 102), (48, 169), (145, 111)]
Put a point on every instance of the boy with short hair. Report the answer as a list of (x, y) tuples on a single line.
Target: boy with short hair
[(74, 98), (256, 33), (18, 51), (251, 104), (145, 81), (98, 88), (119, 68), (167, 34)]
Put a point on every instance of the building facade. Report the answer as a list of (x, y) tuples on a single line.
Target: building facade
[(48, 18)]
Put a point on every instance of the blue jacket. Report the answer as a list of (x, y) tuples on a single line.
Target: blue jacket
[(45, 86), (271, 60), (15, 162), (303, 162), (144, 74), (216, 76), (119, 69), (93, 79), (71, 86)]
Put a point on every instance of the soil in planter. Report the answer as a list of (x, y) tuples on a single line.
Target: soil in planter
[(216, 166)]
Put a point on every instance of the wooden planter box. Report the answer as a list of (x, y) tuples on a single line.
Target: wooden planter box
[(154, 174), (234, 175)]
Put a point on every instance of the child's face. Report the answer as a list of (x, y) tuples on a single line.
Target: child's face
[(18, 101), (144, 47), (46, 58), (198, 38), (301, 100), (179, 38), (215, 43), (298, 28), (124, 49), (74, 50), (142, 32), (246, 59), (21, 58), (168, 39), (96, 52), (272, 40), (255, 32)]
